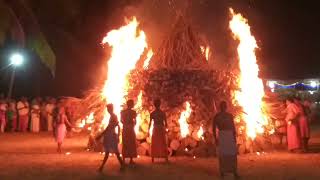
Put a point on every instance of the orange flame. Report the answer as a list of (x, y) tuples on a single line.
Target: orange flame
[(90, 118), (205, 51), (147, 61), (200, 133), (251, 86), (184, 127), (128, 44)]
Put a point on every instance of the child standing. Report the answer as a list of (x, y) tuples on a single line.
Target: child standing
[(61, 129), (111, 138)]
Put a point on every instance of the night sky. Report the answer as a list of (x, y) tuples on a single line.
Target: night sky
[(287, 32)]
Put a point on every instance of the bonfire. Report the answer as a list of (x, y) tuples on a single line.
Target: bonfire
[(178, 73)]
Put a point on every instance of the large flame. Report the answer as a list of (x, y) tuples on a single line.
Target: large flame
[(128, 44), (184, 127), (251, 86)]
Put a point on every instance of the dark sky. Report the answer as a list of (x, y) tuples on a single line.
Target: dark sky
[(287, 32)]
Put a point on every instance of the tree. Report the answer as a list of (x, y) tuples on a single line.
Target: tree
[(18, 21)]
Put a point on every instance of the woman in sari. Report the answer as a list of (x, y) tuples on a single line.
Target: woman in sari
[(111, 138), (293, 132), (61, 129), (226, 140), (158, 140), (128, 119), (303, 125)]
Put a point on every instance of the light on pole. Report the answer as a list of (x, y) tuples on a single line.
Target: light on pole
[(16, 60)]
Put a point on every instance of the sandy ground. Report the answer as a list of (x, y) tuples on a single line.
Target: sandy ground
[(33, 156)]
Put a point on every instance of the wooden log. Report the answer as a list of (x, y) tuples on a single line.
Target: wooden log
[(175, 144), (141, 151), (190, 142), (195, 136)]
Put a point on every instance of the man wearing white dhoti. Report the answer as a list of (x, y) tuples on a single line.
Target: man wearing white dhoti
[(49, 109), (35, 116), (225, 139)]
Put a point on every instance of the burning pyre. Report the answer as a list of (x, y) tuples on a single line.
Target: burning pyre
[(179, 74)]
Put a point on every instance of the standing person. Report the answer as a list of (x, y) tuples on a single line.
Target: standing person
[(128, 119), (111, 138), (12, 116), (293, 134), (226, 141), (43, 117), (35, 116), (23, 111), (50, 114), (61, 128), (3, 117), (303, 125), (158, 139)]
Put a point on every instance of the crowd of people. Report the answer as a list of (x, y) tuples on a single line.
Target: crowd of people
[(37, 115), (23, 115)]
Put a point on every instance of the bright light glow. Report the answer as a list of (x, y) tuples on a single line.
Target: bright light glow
[(184, 126), (147, 61), (313, 84), (16, 59), (311, 92), (200, 133), (251, 92), (271, 84), (205, 51)]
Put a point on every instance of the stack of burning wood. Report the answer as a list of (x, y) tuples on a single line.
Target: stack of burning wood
[(180, 76), (190, 90)]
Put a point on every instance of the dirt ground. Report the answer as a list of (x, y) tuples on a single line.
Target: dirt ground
[(33, 156)]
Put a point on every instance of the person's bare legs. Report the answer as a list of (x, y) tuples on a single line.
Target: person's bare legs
[(59, 147), (106, 156), (120, 161), (131, 161)]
